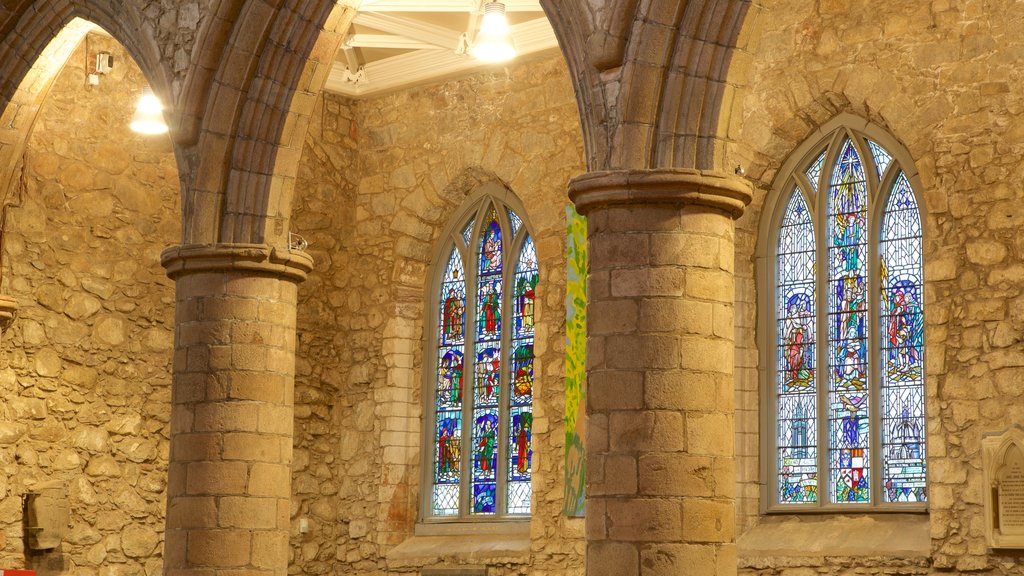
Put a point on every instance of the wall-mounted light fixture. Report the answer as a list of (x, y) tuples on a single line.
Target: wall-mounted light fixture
[(494, 41), (149, 115)]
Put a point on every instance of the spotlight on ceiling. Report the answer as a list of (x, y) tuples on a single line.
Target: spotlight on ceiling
[(494, 41), (149, 118)]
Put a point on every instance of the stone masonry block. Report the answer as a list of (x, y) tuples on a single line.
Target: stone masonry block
[(709, 520), (274, 480), (258, 386), (707, 354), (677, 315), (276, 419), (252, 447), (710, 434), (646, 431), (674, 559), (619, 250), (680, 390), (219, 548), (226, 417), (712, 285), (270, 549), (247, 512), (676, 474), (648, 282), (217, 478), (192, 512), (644, 520), (612, 559), (620, 476), (690, 250), (612, 317), (196, 447), (615, 390)]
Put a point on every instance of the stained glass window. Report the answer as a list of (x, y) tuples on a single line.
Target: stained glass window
[(485, 340), (850, 434), (814, 172)]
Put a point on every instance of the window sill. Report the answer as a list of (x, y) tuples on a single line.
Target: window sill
[(878, 535), (463, 543)]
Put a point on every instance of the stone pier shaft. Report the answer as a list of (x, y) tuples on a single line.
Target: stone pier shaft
[(660, 434)]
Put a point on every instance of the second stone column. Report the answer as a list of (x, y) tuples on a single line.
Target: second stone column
[(229, 480), (660, 441)]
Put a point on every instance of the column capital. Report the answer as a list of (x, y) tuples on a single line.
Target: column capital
[(725, 192), (257, 259)]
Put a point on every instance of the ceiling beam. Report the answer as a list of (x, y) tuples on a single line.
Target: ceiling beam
[(410, 28), (444, 5), (385, 41), (424, 65)]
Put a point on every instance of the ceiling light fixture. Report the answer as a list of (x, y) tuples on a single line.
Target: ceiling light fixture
[(149, 115), (494, 41)]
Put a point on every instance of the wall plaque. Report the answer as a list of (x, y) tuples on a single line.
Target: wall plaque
[(1003, 459)]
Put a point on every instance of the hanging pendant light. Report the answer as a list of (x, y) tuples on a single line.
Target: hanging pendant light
[(494, 41), (149, 115)]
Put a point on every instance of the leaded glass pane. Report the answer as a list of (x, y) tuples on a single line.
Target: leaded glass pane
[(453, 302), (814, 172), (848, 425), (467, 232), (516, 222), (485, 460), (448, 392), (902, 349), (797, 377), (881, 157), (521, 390)]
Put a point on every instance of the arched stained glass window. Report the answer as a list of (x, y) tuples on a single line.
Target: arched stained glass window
[(846, 263), (484, 336)]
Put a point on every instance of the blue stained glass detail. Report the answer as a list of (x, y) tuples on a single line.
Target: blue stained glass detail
[(467, 232), (902, 323), (881, 157), (848, 397)]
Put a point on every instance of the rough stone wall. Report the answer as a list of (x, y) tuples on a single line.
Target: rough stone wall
[(86, 368), (420, 152), (332, 413), (943, 77)]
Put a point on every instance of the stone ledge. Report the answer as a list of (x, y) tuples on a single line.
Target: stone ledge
[(725, 192), (905, 536), (254, 258), (471, 546)]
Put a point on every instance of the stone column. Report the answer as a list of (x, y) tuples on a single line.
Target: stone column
[(229, 480), (660, 451)]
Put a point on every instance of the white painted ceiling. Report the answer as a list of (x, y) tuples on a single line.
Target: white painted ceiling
[(396, 44)]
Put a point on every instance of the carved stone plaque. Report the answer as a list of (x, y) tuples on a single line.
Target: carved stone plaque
[(1003, 458)]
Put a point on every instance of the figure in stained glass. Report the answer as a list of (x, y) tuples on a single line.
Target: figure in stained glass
[(450, 388), (797, 341), (454, 309), (447, 450), (522, 359), (905, 334), (490, 248), (490, 310), (486, 436), (488, 370), (524, 294), (521, 426)]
